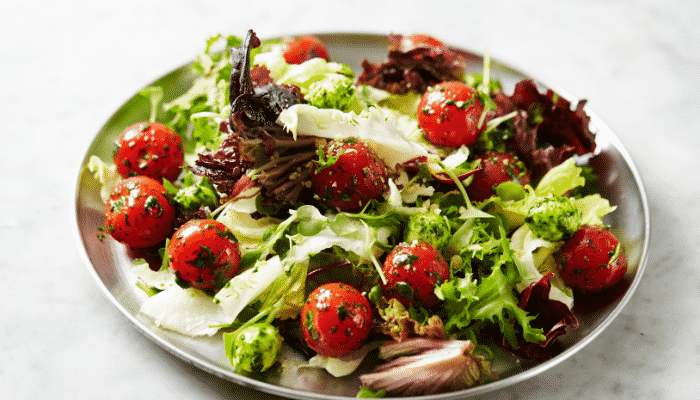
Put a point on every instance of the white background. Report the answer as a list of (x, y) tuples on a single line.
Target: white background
[(66, 66)]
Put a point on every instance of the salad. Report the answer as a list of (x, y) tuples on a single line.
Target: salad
[(414, 215)]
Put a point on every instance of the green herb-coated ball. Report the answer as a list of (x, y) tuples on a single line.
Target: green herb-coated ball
[(554, 218), (257, 348), (428, 227), (333, 91)]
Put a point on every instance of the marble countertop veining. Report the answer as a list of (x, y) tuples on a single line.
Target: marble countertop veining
[(68, 65)]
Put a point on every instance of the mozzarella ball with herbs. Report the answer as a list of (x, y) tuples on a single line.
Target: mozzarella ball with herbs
[(257, 348), (428, 227), (554, 218)]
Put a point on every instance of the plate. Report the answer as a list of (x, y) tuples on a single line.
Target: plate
[(109, 262)]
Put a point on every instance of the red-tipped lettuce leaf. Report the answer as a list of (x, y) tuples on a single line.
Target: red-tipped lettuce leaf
[(552, 316), (254, 105), (421, 366), (547, 130), (413, 70)]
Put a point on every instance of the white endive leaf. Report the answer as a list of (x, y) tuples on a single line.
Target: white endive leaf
[(388, 133), (187, 311), (161, 280), (344, 365)]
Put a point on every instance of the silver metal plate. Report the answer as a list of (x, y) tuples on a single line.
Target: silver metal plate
[(110, 262)]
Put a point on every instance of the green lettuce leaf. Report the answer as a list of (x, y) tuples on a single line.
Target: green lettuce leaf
[(493, 300), (193, 193), (106, 174), (593, 208), (556, 182), (301, 75), (533, 257), (403, 103), (560, 179)]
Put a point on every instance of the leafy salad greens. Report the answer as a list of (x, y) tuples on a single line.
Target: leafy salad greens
[(289, 241)]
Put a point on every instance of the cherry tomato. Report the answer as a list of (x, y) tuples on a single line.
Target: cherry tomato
[(150, 149), (305, 48), (449, 114), (204, 254), (336, 319), (412, 270), (138, 213), (349, 175), (413, 41), (496, 169), (592, 260)]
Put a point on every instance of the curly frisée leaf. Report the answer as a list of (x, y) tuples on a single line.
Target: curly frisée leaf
[(493, 300)]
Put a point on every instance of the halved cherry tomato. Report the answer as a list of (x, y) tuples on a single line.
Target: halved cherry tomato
[(204, 254), (496, 169), (449, 114), (305, 48), (592, 260), (412, 270), (349, 175), (150, 149), (336, 319), (138, 213)]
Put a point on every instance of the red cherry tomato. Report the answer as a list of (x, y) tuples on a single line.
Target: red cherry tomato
[(138, 213), (591, 261), (496, 169), (336, 319), (412, 270), (413, 41), (204, 254), (305, 48), (449, 114), (150, 149), (349, 176)]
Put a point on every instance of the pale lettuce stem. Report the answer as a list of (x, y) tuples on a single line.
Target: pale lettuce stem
[(270, 312), (229, 201), (457, 182), (493, 124), (485, 84), (155, 95), (487, 70), (374, 260)]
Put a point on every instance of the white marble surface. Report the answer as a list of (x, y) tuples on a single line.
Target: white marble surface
[(68, 65)]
